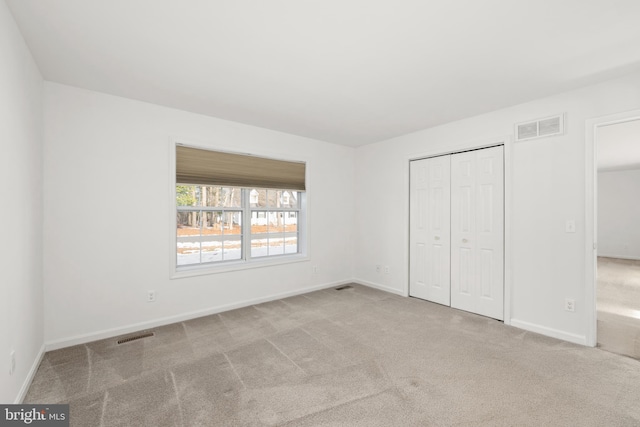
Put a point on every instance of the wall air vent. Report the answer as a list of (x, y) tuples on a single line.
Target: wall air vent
[(549, 126)]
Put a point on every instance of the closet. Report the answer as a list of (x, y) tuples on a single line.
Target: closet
[(456, 230)]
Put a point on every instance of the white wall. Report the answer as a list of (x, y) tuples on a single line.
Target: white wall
[(548, 188), (618, 214), (106, 170), (21, 322)]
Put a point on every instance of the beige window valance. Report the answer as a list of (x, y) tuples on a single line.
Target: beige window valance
[(206, 167)]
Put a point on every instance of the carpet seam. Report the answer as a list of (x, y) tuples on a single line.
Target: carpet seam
[(175, 392), (285, 355), (104, 407), (244, 386), (340, 405)]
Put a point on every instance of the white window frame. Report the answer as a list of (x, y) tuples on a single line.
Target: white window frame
[(218, 237), (267, 210), (246, 262)]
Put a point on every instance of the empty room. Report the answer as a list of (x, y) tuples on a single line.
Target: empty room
[(308, 213)]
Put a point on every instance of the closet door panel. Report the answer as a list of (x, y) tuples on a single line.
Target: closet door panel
[(430, 230), (463, 231), (477, 232), (490, 232), (418, 228)]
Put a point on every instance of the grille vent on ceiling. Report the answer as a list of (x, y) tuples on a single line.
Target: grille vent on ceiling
[(549, 126)]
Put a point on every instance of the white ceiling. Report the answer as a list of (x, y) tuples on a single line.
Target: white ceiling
[(619, 146), (345, 71)]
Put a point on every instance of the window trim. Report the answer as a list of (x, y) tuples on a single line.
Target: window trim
[(177, 272)]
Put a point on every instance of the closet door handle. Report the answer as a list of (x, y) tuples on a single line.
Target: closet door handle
[(437, 238), (465, 241)]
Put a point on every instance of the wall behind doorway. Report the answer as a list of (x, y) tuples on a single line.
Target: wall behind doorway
[(619, 214)]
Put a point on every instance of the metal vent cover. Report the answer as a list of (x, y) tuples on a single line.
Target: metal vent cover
[(540, 128), (527, 131), (135, 337)]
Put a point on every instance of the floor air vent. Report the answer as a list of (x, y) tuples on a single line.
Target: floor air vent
[(135, 337), (344, 287)]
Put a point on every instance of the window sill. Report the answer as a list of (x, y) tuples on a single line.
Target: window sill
[(203, 270)]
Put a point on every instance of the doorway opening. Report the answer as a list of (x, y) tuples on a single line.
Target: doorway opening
[(614, 203)]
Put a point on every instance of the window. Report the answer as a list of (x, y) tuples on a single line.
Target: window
[(274, 224), (209, 224), (218, 224)]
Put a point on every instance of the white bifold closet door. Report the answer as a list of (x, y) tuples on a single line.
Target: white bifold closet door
[(477, 232), (430, 229), (457, 231)]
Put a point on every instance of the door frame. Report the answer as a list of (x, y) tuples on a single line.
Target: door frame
[(591, 216), (505, 141)]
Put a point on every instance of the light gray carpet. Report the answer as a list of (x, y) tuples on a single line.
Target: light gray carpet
[(619, 306), (356, 357)]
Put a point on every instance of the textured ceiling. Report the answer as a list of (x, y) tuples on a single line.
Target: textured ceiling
[(345, 71)]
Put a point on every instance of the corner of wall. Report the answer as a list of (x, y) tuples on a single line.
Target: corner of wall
[(21, 295)]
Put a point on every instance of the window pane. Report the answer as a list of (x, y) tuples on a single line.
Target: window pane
[(291, 245), (295, 199), (283, 199), (290, 222), (276, 245), (211, 251), (187, 195), (232, 222), (232, 249), (188, 238), (188, 224), (224, 197), (258, 198), (258, 222), (188, 251), (274, 198), (259, 247), (212, 225), (217, 223), (276, 222)]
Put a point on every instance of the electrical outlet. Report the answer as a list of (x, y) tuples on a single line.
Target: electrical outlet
[(315, 269), (386, 269), (570, 226), (570, 304), (378, 268), (12, 362), (151, 296)]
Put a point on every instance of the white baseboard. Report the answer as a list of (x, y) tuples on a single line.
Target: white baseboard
[(629, 257), (380, 287), (32, 373), (109, 333), (550, 332)]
